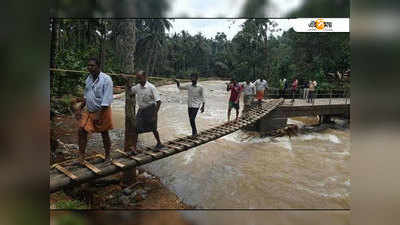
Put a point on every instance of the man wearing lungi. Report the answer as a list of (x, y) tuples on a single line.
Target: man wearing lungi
[(195, 100), (261, 85), (94, 115), (148, 100), (249, 91)]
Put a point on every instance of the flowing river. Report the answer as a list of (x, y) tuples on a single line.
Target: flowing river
[(244, 170)]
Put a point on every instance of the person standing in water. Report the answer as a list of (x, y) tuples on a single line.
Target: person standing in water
[(195, 100)]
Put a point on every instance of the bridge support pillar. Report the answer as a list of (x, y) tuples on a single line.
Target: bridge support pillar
[(268, 124), (324, 119)]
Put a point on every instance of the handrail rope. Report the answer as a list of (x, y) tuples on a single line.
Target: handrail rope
[(113, 74)]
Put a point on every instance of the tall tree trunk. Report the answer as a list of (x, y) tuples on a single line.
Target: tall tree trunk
[(151, 52), (53, 49), (127, 41), (102, 49), (155, 57)]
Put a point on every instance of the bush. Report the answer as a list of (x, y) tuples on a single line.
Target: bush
[(71, 204)]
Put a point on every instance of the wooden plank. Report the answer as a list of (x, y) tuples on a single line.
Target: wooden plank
[(220, 131), (181, 143), (174, 147), (205, 139), (208, 134), (91, 167), (191, 140), (117, 164), (123, 153), (156, 155), (168, 151), (66, 172), (142, 158)]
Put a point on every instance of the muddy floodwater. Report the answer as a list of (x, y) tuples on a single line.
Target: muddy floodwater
[(244, 170)]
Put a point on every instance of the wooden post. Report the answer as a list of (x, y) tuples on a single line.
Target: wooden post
[(53, 49), (127, 41), (330, 98)]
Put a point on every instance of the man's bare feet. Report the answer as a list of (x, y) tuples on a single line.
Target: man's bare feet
[(81, 159), (108, 159), (133, 151), (157, 147)]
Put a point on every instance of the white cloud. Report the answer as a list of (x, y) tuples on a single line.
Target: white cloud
[(208, 27), (205, 8), (227, 8), (281, 8)]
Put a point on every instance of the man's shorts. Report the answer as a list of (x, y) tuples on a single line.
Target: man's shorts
[(233, 105)]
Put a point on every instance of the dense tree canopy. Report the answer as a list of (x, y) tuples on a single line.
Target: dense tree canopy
[(250, 53)]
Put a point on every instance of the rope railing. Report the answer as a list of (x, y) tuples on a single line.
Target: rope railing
[(299, 94), (111, 74)]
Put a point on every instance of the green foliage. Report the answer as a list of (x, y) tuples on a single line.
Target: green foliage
[(71, 204), (249, 55)]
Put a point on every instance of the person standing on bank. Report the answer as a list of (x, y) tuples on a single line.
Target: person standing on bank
[(149, 102), (195, 100), (311, 91), (94, 114), (261, 86), (281, 87), (294, 88)]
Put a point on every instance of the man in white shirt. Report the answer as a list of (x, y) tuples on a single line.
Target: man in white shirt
[(249, 91), (261, 85), (195, 100), (148, 100), (94, 114)]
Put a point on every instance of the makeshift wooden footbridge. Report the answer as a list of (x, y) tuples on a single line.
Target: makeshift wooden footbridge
[(71, 173)]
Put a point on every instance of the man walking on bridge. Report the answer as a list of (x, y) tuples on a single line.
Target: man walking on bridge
[(235, 89), (195, 100), (149, 102), (249, 91), (94, 114), (261, 86)]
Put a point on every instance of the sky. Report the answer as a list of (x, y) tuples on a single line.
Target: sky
[(226, 8), (212, 9), (210, 27)]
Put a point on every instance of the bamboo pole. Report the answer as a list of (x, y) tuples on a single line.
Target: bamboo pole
[(111, 74)]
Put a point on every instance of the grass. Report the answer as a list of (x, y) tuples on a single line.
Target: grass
[(71, 204)]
